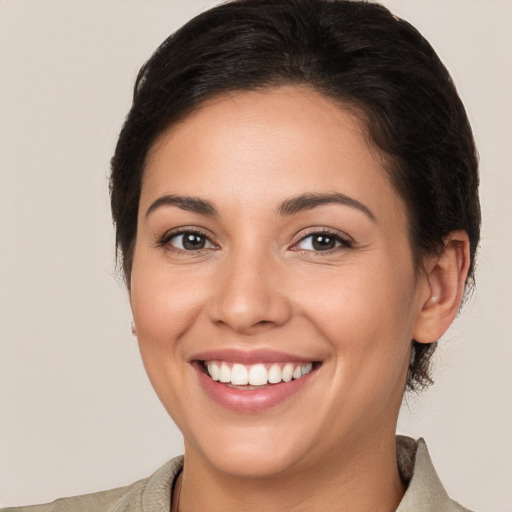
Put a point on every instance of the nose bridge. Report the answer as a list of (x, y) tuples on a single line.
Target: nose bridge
[(249, 296)]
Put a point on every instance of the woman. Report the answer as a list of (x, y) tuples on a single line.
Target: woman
[(295, 197)]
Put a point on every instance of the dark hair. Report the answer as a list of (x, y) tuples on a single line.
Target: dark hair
[(358, 54)]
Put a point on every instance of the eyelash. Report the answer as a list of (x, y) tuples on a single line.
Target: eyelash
[(342, 242), (167, 237)]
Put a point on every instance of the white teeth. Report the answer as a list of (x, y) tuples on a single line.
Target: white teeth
[(214, 371), (306, 368), (257, 374), (288, 372), (274, 374), (239, 375), (225, 373)]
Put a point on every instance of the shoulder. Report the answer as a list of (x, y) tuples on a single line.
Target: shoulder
[(97, 501), (153, 493), (425, 492)]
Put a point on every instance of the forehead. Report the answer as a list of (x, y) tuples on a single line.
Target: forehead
[(266, 145)]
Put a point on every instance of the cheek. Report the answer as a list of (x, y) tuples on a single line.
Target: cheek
[(366, 313), (163, 302), (165, 306)]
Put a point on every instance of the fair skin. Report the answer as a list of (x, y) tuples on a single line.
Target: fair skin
[(269, 235)]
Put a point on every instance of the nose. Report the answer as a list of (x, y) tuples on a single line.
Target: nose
[(249, 296)]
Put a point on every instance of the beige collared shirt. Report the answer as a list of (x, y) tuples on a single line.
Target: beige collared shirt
[(425, 493)]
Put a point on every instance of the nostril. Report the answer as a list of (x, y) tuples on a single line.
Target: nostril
[(246, 328)]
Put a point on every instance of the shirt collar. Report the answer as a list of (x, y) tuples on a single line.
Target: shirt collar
[(424, 493)]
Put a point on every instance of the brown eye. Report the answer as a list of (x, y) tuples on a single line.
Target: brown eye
[(189, 241), (319, 242), (323, 242), (193, 241)]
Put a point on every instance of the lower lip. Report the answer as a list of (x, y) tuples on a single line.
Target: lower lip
[(250, 400)]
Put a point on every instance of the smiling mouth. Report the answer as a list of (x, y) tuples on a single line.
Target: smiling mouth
[(255, 376)]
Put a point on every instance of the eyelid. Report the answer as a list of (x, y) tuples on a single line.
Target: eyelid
[(163, 241), (345, 241), (342, 238)]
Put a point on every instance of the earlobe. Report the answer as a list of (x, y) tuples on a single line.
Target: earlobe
[(445, 277)]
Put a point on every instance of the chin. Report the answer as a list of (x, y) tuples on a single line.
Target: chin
[(249, 463), (249, 453)]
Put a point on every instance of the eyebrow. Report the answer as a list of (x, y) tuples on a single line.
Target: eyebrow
[(290, 206), (191, 204), (309, 201)]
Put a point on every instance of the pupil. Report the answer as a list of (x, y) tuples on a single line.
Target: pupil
[(192, 241), (323, 242)]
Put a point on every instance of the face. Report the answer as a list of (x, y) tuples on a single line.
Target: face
[(273, 286)]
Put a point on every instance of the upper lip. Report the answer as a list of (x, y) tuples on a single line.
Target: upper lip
[(249, 356)]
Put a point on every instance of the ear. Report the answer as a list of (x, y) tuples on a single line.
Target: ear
[(445, 278)]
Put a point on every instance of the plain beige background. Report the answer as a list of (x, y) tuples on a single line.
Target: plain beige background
[(77, 413)]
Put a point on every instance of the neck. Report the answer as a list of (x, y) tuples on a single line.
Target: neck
[(365, 479)]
